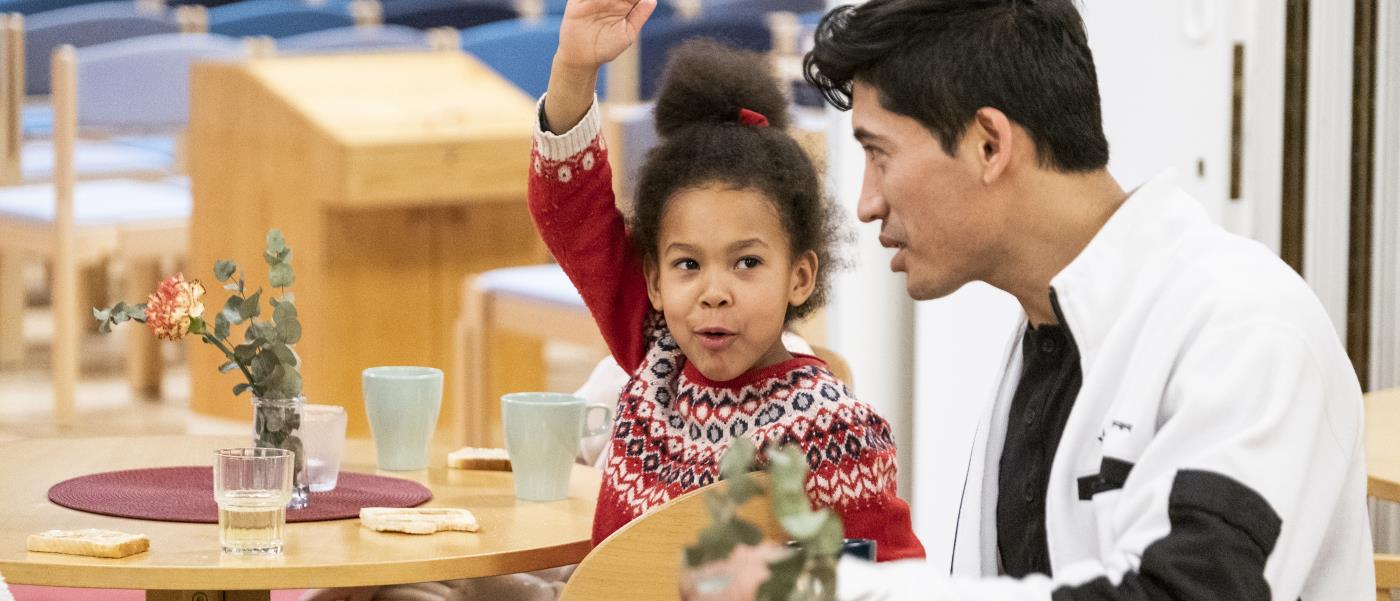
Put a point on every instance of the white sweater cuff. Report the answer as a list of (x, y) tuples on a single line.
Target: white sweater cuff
[(557, 147)]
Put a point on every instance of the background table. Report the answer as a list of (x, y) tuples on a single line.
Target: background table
[(184, 559)]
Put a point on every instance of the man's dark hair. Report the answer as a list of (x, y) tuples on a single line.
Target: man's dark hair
[(938, 61)]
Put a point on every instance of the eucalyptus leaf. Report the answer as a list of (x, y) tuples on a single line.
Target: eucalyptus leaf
[(829, 535), (283, 309), (245, 353), (743, 487), (221, 326), (738, 460), (223, 269), (280, 275), (233, 309), (802, 526), (290, 384), (289, 330), (240, 387), (783, 574), (227, 366), (276, 243), (718, 506), (284, 354), (251, 308), (745, 532)]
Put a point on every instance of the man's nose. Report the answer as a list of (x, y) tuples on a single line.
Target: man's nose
[(871, 205)]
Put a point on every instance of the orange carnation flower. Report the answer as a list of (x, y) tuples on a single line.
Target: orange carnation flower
[(173, 305)]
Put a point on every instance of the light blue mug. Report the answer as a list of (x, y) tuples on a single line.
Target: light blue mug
[(402, 404), (542, 431)]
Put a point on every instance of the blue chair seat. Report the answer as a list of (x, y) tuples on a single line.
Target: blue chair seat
[(545, 283), (521, 50), (37, 121), (278, 18), (457, 14), (102, 202), (356, 39), (95, 158)]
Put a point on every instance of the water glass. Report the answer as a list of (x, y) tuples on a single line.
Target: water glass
[(323, 433), (252, 487)]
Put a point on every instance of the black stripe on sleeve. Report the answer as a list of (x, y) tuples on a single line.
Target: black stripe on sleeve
[(1221, 537)]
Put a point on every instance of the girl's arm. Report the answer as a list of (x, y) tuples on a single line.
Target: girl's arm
[(570, 189)]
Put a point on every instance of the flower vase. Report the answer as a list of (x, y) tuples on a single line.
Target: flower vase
[(277, 425)]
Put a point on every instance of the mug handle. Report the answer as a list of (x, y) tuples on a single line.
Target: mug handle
[(602, 427)]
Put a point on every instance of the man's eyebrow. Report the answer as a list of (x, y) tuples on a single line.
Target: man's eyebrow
[(866, 136)]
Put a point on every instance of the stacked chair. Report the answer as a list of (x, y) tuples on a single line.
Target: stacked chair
[(136, 86)]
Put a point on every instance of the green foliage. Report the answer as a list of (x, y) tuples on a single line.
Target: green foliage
[(271, 369), (808, 571)]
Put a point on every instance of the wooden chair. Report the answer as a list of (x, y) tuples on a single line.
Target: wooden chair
[(74, 224), (642, 560), (537, 301)]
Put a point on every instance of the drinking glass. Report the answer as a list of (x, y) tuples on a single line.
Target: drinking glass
[(252, 487)]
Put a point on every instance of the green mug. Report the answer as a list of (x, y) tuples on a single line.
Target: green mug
[(543, 430), (402, 405)]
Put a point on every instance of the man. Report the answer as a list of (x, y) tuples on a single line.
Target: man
[(1176, 417)]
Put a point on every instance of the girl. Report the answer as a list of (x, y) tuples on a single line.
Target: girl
[(726, 247)]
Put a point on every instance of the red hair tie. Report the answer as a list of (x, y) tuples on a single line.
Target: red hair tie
[(754, 118)]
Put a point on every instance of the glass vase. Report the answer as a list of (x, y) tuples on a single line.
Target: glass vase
[(277, 425)]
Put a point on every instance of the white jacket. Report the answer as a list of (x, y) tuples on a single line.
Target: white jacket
[(1214, 450)]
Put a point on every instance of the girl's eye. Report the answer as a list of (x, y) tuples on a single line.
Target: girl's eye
[(748, 263), (686, 264)]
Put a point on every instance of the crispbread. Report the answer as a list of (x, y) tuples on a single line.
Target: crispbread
[(419, 520), (472, 458), (90, 542)]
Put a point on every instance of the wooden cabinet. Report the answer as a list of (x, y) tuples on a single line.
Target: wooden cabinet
[(393, 177)]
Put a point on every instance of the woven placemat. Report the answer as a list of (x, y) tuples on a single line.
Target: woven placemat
[(186, 494)]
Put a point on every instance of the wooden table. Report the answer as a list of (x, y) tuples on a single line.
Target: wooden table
[(184, 560), (1383, 444)]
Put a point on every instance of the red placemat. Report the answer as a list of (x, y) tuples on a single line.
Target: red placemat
[(186, 494)]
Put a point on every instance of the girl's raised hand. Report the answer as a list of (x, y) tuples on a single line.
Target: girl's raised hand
[(594, 32)]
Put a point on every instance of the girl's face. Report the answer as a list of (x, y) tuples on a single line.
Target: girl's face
[(724, 279)]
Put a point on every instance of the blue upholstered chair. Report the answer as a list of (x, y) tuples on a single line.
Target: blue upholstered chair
[(521, 50), (457, 14), (355, 39), (278, 18), (659, 37), (83, 26), (135, 85), (32, 7)]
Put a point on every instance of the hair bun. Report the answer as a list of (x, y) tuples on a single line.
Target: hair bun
[(707, 82)]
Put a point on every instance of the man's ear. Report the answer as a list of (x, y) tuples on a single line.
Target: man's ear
[(653, 275), (994, 138), (802, 281)]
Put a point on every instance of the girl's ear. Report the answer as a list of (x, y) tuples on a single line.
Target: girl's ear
[(803, 278), (653, 276)]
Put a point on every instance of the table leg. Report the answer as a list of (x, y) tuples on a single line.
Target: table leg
[(208, 595)]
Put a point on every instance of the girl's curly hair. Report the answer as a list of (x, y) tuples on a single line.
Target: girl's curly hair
[(703, 143)]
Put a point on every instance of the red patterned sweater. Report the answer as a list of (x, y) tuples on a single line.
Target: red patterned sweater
[(672, 423)]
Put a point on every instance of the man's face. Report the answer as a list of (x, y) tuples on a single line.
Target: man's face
[(933, 208)]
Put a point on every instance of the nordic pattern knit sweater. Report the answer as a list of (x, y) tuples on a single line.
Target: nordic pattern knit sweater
[(672, 424)]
